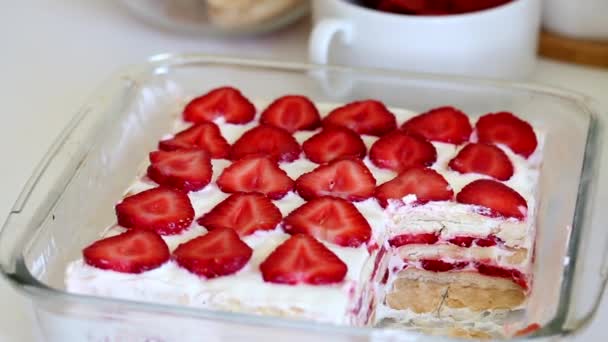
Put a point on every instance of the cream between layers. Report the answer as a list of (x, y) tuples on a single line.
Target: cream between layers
[(246, 291)]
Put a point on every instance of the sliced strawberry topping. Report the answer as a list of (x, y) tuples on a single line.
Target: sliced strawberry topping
[(347, 178), (334, 143), (414, 239), (364, 117), (133, 251), (329, 219), (445, 124), (485, 159), (398, 151), (292, 113), (303, 259), (218, 253), (163, 210), (206, 136), (255, 174), (245, 213), (266, 140), (436, 265), (497, 271), (225, 102), (187, 170), (505, 128), (426, 184), (499, 199)]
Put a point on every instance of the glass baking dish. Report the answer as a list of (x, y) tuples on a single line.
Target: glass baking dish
[(71, 195)]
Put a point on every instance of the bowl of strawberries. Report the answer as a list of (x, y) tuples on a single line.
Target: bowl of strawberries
[(433, 7), (487, 38)]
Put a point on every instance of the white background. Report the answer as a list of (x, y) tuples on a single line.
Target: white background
[(53, 53)]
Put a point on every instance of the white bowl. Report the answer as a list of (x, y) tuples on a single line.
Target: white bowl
[(500, 42)]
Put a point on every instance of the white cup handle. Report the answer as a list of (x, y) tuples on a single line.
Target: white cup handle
[(321, 36)]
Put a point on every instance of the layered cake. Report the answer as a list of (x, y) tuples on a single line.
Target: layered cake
[(353, 214)]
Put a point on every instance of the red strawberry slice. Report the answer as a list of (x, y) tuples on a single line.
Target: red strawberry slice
[(505, 128), (384, 279), (462, 241), (490, 241), (426, 184), (303, 259), (433, 7), (414, 239), (436, 265), (133, 251), (379, 257), (218, 253), (496, 271), (445, 124), (187, 170), (467, 241), (398, 151), (329, 219), (206, 136), (483, 158), (255, 174), (528, 330), (364, 117), (225, 102), (466, 6), (499, 199), (163, 210), (292, 113), (347, 178), (402, 6), (266, 140), (416, 7), (334, 143), (245, 213)]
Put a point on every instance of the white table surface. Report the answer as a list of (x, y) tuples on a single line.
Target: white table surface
[(54, 52)]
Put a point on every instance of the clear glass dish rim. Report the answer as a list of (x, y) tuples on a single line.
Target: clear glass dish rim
[(21, 278)]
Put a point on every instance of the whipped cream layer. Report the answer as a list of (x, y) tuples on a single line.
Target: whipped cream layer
[(243, 291), (503, 257), (351, 302)]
